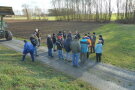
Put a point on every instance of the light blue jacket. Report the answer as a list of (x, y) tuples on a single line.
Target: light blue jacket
[(84, 45), (99, 48)]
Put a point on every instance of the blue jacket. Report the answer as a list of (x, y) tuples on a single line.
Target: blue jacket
[(84, 45), (28, 47), (99, 48)]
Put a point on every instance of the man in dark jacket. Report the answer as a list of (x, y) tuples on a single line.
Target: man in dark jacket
[(78, 35), (49, 45), (69, 34), (101, 38), (75, 48), (34, 42), (54, 42), (67, 43), (59, 44), (28, 48)]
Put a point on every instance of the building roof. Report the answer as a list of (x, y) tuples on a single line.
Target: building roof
[(6, 10)]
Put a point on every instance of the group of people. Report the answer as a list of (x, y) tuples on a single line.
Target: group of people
[(69, 44), (73, 44)]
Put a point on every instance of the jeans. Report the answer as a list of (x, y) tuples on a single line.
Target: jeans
[(83, 57), (60, 54), (50, 52), (98, 57), (75, 59), (31, 53)]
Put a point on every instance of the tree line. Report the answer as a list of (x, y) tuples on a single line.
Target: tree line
[(81, 10), (86, 10), (126, 11)]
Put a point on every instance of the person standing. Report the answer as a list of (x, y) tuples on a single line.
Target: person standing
[(64, 35), (89, 45), (38, 35), (99, 50), (67, 43), (34, 43), (101, 38), (93, 38), (59, 44), (84, 49), (78, 35), (60, 35), (69, 34), (28, 48), (49, 45), (75, 48), (54, 42)]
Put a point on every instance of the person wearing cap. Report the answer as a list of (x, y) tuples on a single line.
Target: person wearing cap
[(75, 48), (38, 35), (99, 50), (28, 48), (93, 39), (59, 44), (49, 45), (84, 49)]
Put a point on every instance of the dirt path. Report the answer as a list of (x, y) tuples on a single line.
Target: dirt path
[(102, 76)]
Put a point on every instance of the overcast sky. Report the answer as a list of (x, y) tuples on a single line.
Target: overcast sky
[(17, 4), (43, 4)]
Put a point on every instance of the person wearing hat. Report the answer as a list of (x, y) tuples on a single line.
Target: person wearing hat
[(38, 35), (75, 48), (49, 45), (99, 50), (28, 48)]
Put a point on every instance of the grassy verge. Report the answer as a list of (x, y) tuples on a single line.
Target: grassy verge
[(119, 48), (17, 75)]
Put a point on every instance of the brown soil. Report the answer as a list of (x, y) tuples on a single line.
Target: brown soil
[(24, 29)]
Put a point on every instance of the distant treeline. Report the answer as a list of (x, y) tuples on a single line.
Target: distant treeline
[(93, 10)]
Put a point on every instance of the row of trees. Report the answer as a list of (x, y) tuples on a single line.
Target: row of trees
[(126, 11), (96, 10), (80, 10), (85, 10)]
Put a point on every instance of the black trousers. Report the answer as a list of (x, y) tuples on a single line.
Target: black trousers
[(98, 57)]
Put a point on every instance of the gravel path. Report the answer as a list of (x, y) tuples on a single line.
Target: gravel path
[(101, 76)]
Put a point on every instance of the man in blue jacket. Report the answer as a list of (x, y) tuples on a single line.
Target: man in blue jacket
[(28, 48), (84, 49), (99, 50)]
